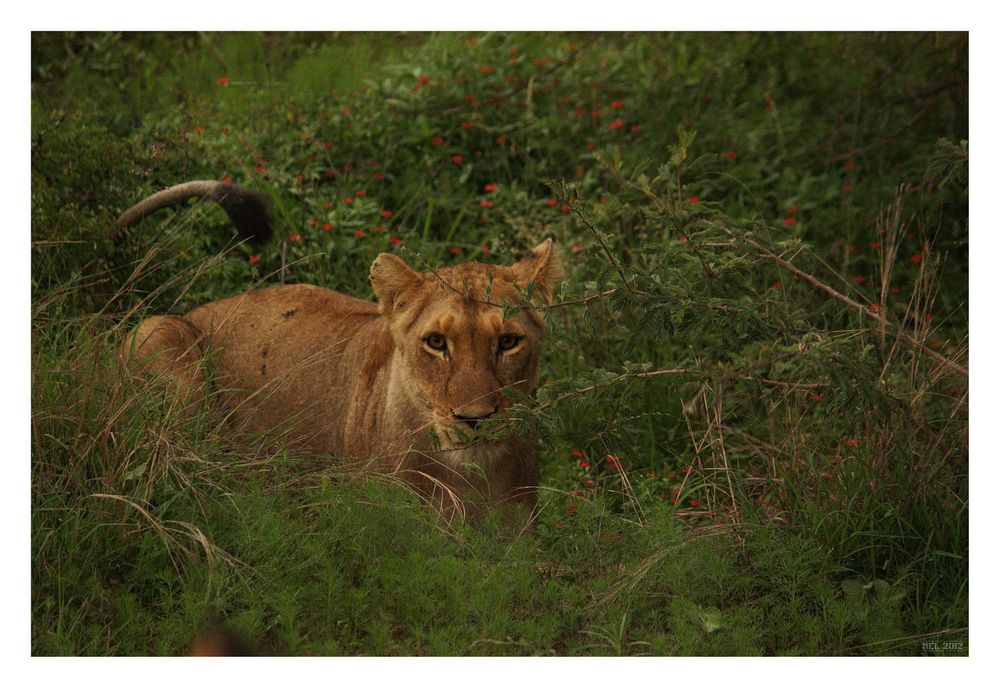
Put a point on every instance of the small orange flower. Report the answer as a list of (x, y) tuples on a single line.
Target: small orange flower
[(457, 159), (395, 240), (916, 258), (222, 81), (693, 200), (613, 461), (859, 279), (385, 213), (577, 247), (254, 259), (617, 124), (349, 200), (359, 233), (437, 140), (789, 221), (455, 250), (294, 237), (313, 222), (327, 226), (777, 285), (486, 204), (617, 103), (576, 454), (490, 187), (731, 155), (552, 202), (360, 194)]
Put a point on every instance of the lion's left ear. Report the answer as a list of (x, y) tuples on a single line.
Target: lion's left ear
[(541, 266)]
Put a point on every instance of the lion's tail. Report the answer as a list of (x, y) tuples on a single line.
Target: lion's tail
[(248, 210)]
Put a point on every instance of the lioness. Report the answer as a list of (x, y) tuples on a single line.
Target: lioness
[(407, 385)]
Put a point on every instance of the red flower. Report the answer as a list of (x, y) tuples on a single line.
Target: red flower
[(873, 307), (423, 79), (731, 155), (817, 397), (378, 176), (777, 285), (852, 249), (348, 200), (490, 187), (467, 124), (577, 247), (613, 461), (385, 213), (693, 200), (570, 508), (328, 145), (227, 179), (565, 208), (617, 103), (313, 222), (895, 290), (792, 210), (457, 159), (437, 140), (576, 454), (395, 240), (327, 227), (485, 248), (591, 146), (588, 483), (635, 127), (617, 124), (455, 250), (789, 221), (849, 165), (928, 317), (874, 245), (693, 502), (199, 130), (682, 238), (552, 202), (294, 237), (501, 140), (260, 169), (359, 233), (486, 69), (847, 188), (254, 259), (222, 81), (360, 194), (916, 258), (486, 204), (584, 464), (859, 279)]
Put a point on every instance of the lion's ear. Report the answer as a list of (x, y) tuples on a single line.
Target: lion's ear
[(541, 266), (390, 276)]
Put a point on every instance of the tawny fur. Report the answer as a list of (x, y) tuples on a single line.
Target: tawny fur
[(357, 381)]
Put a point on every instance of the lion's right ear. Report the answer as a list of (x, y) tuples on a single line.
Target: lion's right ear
[(390, 276)]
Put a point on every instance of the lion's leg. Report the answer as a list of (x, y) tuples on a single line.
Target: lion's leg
[(169, 348)]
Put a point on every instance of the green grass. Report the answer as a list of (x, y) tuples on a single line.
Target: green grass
[(794, 471)]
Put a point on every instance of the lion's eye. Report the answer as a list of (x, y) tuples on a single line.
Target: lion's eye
[(436, 342), (508, 342)]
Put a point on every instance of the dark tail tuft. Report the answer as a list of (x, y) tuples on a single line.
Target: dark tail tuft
[(249, 212)]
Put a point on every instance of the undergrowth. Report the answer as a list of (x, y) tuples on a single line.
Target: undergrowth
[(754, 409)]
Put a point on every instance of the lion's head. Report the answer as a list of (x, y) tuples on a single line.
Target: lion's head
[(456, 350)]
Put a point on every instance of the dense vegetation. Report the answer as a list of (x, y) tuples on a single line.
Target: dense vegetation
[(754, 415)]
